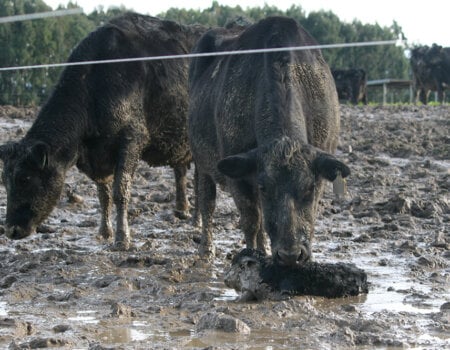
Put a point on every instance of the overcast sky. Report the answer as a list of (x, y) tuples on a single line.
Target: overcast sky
[(423, 22)]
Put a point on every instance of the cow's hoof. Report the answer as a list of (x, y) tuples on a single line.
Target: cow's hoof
[(106, 233), (196, 221), (182, 214), (121, 246)]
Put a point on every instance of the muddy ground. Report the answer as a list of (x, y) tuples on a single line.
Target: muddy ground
[(65, 288)]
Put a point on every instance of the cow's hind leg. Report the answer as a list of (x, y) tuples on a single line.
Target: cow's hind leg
[(105, 198), (181, 202), (128, 160), (196, 219), (207, 204)]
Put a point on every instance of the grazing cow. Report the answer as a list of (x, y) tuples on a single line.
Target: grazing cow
[(351, 85), (431, 71), (264, 126), (104, 118)]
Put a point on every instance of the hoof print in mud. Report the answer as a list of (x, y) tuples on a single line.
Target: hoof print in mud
[(257, 277)]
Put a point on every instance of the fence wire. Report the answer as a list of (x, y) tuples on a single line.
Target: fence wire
[(204, 54), (39, 15)]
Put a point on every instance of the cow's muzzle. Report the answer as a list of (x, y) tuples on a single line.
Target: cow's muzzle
[(292, 257)]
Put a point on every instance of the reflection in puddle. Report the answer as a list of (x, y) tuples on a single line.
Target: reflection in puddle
[(139, 331), (227, 295), (122, 335), (3, 311), (85, 317)]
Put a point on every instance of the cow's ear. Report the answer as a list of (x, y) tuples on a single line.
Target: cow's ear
[(39, 154), (239, 165), (328, 167)]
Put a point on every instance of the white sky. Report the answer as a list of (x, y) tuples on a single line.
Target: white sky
[(423, 22)]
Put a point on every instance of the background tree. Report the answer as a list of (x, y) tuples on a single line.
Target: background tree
[(51, 40)]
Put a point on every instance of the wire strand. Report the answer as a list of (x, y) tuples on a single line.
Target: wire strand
[(203, 54), (39, 15)]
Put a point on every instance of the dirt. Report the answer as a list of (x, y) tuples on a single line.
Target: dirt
[(66, 288)]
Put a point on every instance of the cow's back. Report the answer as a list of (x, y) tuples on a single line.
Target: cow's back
[(149, 95), (252, 99)]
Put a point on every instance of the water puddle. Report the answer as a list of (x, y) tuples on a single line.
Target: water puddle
[(86, 316), (227, 295), (119, 335), (3, 311)]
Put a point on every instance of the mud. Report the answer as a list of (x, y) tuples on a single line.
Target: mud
[(65, 288)]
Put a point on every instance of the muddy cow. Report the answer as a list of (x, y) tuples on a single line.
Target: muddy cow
[(104, 118), (264, 126), (351, 84), (257, 277), (431, 71)]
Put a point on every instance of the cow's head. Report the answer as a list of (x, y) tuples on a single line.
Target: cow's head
[(289, 177), (33, 185)]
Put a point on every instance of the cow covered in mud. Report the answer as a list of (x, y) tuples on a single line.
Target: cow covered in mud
[(431, 71), (264, 126), (351, 84), (257, 277), (104, 118)]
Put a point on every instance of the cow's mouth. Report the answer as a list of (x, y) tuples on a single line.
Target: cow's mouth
[(296, 257)]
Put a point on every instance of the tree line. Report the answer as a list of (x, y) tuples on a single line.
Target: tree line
[(51, 40)]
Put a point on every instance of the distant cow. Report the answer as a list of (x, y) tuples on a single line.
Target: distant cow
[(431, 71), (104, 118), (351, 85), (264, 126)]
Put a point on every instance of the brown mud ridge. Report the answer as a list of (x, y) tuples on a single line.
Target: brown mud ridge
[(64, 288)]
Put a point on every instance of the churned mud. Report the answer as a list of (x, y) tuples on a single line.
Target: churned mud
[(65, 288)]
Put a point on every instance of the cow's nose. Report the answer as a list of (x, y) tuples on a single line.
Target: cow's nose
[(292, 257)]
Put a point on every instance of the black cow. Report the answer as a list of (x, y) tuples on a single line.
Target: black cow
[(104, 118), (351, 84), (264, 125), (257, 277), (431, 71)]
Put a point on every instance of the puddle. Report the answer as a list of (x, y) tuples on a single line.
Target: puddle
[(3, 311), (84, 317), (119, 335), (227, 295)]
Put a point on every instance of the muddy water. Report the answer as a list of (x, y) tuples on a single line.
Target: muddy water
[(65, 288)]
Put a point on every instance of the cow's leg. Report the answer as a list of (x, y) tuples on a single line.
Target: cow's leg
[(207, 204), (440, 93), (423, 96), (246, 200), (196, 219), (181, 202), (128, 159), (105, 197)]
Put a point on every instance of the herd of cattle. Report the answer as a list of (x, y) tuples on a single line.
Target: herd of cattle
[(264, 126), (430, 68), (431, 71)]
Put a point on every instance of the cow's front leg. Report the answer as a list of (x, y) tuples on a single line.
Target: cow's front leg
[(128, 159), (105, 198), (207, 204), (181, 202), (245, 197)]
